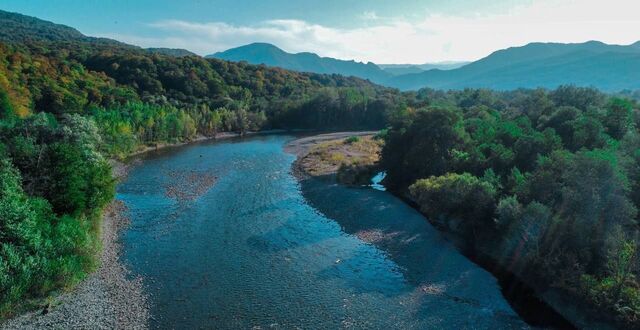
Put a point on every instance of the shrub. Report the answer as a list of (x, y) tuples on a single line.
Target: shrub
[(462, 197), (352, 139)]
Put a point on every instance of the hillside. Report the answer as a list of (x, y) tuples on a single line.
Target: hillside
[(18, 28), (270, 55), (549, 65)]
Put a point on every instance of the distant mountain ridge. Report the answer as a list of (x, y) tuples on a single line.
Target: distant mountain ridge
[(270, 55), (547, 65), (593, 63), (400, 69)]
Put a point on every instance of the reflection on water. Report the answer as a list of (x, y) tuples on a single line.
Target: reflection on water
[(249, 250)]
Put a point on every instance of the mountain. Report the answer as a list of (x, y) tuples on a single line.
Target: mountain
[(270, 55), (18, 28), (548, 65), (593, 63), (176, 52), (400, 69)]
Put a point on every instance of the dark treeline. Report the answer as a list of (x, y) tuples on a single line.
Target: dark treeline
[(65, 107), (547, 183)]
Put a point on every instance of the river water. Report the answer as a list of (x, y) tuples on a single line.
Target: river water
[(225, 237)]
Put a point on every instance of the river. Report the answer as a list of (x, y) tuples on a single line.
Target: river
[(225, 237)]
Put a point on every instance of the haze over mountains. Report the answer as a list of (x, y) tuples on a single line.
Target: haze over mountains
[(548, 65), (270, 55), (399, 69), (607, 67)]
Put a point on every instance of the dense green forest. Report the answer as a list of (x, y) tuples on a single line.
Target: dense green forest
[(547, 183), (66, 107)]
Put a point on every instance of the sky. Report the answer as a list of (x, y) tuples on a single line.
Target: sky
[(380, 31)]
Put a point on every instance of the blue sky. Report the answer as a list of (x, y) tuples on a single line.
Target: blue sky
[(400, 31)]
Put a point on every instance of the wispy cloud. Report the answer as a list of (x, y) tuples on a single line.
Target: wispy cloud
[(370, 15), (433, 38)]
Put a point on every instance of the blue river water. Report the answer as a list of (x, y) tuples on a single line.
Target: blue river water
[(225, 237)]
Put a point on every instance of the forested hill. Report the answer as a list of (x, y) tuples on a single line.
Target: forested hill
[(18, 28), (263, 53), (55, 69)]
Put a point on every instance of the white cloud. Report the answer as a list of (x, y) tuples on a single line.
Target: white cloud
[(370, 15), (433, 38)]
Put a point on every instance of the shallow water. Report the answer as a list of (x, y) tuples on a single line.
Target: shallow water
[(226, 237)]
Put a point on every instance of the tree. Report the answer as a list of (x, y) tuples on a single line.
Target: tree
[(424, 148), (618, 118), (6, 109), (594, 200), (525, 230)]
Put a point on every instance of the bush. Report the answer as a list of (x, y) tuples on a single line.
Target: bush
[(462, 197), (352, 139)]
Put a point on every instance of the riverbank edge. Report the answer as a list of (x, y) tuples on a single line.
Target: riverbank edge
[(572, 311), (109, 297), (202, 138)]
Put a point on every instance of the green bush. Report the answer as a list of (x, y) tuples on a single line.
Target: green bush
[(352, 139), (454, 196)]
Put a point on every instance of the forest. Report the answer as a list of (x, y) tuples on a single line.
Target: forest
[(546, 183)]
